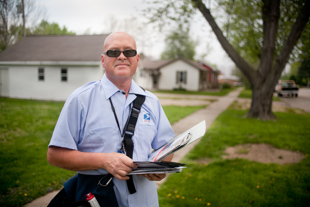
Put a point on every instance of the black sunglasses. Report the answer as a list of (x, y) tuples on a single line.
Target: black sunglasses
[(116, 53)]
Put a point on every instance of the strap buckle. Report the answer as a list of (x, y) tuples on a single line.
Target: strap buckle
[(122, 149), (135, 112), (106, 182)]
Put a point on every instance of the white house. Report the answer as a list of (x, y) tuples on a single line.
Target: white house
[(50, 67), (176, 74)]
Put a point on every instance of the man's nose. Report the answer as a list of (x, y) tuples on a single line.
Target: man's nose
[(122, 56)]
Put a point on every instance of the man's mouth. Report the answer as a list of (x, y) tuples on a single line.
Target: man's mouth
[(121, 63)]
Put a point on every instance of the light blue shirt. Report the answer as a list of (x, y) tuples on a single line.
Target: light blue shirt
[(87, 124)]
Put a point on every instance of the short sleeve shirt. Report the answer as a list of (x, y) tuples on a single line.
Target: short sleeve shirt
[(87, 123)]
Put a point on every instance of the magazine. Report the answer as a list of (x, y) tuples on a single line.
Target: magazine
[(179, 142), (155, 165)]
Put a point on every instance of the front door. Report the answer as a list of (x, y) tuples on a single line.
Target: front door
[(4, 82)]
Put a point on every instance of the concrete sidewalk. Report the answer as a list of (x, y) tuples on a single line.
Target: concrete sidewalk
[(209, 114)]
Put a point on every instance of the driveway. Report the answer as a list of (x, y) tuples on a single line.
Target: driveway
[(302, 102), (185, 100)]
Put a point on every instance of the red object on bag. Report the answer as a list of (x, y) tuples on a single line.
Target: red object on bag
[(89, 196), (92, 200)]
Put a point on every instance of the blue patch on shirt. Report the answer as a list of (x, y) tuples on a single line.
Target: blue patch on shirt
[(146, 117)]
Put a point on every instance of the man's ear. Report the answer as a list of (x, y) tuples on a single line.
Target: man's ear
[(102, 60), (138, 58)]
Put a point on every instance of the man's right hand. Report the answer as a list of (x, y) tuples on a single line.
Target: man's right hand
[(119, 165)]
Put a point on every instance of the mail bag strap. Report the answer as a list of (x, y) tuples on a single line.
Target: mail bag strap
[(128, 132)]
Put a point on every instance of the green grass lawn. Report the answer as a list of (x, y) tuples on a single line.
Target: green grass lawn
[(209, 180), (26, 127), (247, 93), (175, 113)]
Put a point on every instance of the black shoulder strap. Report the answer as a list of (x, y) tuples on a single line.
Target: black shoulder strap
[(129, 131), (128, 143)]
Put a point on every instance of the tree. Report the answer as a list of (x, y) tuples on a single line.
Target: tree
[(303, 75), (273, 48), (11, 23), (45, 28), (303, 45), (7, 12), (245, 34), (179, 45)]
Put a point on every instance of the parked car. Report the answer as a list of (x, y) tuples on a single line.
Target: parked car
[(287, 88)]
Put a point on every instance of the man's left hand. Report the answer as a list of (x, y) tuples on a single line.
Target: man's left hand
[(154, 177), (158, 177)]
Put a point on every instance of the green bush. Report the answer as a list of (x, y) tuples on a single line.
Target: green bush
[(226, 85)]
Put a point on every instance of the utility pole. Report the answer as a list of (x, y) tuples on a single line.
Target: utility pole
[(24, 21), (21, 10)]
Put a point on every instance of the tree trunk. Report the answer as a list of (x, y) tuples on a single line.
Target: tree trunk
[(263, 85), (261, 105)]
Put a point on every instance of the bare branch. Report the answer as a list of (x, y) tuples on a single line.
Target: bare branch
[(248, 71), (293, 37)]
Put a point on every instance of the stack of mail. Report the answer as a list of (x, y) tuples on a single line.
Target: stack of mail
[(157, 167)]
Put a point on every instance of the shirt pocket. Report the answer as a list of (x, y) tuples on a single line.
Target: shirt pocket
[(102, 139), (143, 139)]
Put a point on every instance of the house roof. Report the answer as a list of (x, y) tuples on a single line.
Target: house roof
[(154, 64), (158, 64), (228, 77), (56, 48)]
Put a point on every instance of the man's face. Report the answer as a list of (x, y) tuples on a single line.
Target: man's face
[(121, 67)]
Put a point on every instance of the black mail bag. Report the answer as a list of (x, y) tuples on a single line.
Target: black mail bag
[(76, 188)]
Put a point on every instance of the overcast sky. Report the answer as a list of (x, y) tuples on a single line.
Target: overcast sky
[(102, 16)]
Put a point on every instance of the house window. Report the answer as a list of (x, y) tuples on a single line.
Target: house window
[(41, 74), (64, 74), (142, 74), (181, 77)]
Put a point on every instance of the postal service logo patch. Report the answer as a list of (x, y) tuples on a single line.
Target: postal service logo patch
[(146, 117)]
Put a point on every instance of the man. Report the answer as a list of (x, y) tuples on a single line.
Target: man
[(87, 137)]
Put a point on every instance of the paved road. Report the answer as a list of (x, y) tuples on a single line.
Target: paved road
[(302, 102)]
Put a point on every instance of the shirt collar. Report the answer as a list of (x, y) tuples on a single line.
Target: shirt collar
[(110, 89)]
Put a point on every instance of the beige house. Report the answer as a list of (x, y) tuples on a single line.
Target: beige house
[(176, 74)]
